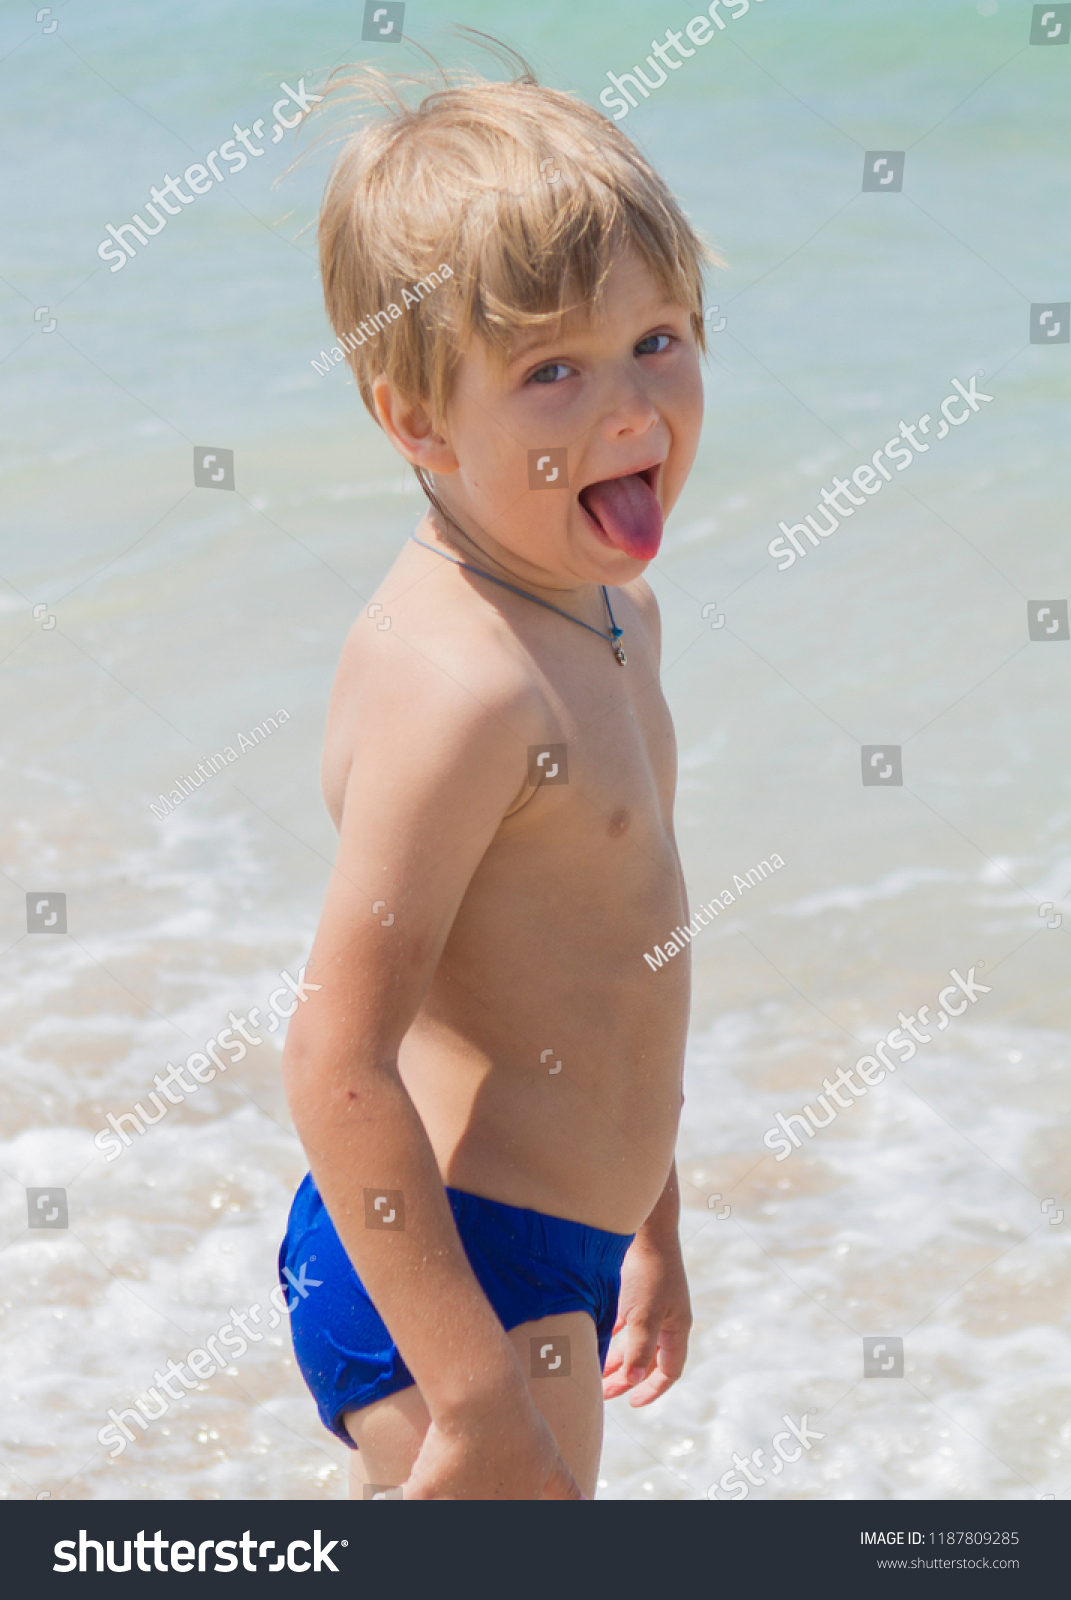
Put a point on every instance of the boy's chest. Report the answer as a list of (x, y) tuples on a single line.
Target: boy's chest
[(611, 764)]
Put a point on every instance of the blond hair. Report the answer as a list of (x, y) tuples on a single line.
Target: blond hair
[(487, 208)]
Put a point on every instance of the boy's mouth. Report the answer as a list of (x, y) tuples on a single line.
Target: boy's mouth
[(625, 512)]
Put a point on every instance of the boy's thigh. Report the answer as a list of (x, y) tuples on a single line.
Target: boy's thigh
[(560, 1358), (388, 1435)]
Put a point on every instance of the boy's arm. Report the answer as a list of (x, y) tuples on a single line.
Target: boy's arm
[(654, 1313), (438, 758)]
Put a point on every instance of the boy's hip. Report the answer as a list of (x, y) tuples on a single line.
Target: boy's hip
[(528, 1264)]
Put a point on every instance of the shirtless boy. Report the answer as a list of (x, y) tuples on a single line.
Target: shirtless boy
[(488, 1081)]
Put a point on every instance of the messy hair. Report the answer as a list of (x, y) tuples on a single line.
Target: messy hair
[(485, 209)]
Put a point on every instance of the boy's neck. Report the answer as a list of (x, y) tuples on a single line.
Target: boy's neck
[(482, 550)]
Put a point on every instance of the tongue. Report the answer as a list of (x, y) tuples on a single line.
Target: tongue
[(628, 513)]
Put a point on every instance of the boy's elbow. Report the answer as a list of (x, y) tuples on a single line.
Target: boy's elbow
[(310, 1073), (321, 1081), (299, 1072)]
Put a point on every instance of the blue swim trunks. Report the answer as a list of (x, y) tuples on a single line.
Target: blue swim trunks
[(528, 1265)]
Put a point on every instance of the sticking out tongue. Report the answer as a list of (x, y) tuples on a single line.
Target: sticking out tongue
[(628, 513)]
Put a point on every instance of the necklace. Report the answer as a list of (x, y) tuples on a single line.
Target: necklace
[(613, 638)]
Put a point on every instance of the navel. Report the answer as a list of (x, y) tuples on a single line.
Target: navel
[(618, 823)]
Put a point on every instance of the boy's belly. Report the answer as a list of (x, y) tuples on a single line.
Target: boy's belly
[(546, 1060)]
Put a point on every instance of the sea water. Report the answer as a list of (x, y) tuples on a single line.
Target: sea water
[(146, 623)]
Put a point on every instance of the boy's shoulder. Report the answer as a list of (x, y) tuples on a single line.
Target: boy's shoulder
[(442, 664), (424, 686), (421, 650), (430, 645)]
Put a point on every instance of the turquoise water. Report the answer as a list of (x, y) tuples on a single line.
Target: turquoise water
[(185, 616)]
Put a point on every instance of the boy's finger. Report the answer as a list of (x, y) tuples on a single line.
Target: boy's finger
[(615, 1384), (614, 1379), (672, 1354), (641, 1345), (651, 1387), (673, 1351), (614, 1357)]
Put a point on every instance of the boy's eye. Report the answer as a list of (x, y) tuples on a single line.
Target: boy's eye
[(651, 347), (551, 373)]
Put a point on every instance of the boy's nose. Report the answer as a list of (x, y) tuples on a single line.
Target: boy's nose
[(630, 410)]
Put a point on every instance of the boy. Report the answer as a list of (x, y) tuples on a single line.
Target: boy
[(488, 1080)]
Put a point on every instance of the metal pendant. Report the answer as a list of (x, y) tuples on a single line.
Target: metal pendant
[(620, 654)]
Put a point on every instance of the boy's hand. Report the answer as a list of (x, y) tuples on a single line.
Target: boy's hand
[(501, 1452), (653, 1318)]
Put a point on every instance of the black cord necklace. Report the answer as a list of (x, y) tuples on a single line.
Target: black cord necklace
[(613, 638)]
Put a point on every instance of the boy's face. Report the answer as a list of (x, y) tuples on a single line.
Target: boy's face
[(615, 404)]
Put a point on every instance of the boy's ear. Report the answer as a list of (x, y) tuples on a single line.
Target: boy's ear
[(410, 429)]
